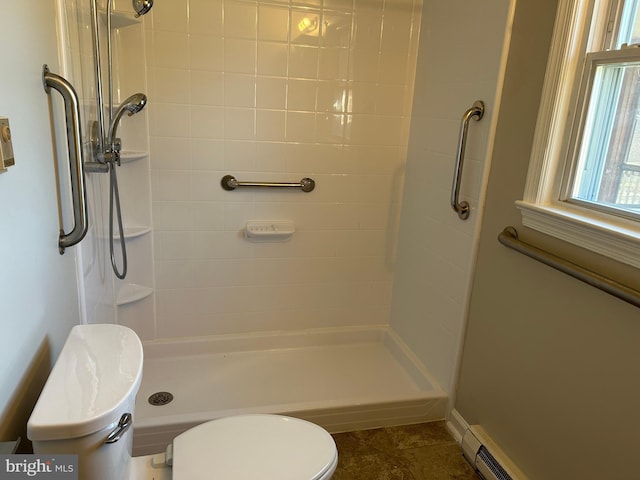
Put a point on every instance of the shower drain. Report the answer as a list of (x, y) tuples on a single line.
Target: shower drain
[(160, 398)]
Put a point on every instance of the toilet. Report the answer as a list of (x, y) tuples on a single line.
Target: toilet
[(87, 408)]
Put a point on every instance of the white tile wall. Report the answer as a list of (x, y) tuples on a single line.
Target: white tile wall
[(276, 91)]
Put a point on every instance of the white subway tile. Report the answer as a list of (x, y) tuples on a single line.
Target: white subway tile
[(206, 186), (170, 185), (330, 128), (207, 122), (239, 123), (239, 55), (205, 17), (336, 30), (271, 93), (239, 90), (272, 59), (173, 16), (369, 6), (206, 53), (303, 61), (363, 65), (240, 20), (301, 95), (207, 154), (391, 100), (273, 23), (393, 67), (178, 116), (170, 153), (396, 31), (207, 88), (334, 97), (367, 31), (301, 126), (270, 125), (343, 5), (208, 216), (172, 216), (169, 85), (240, 156), (333, 63), (363, 98), (168, 49)]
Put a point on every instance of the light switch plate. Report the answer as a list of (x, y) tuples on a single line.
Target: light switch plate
[(6, 146)]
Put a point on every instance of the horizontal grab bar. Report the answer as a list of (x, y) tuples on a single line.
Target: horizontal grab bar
[(509, 238), (229, 182)]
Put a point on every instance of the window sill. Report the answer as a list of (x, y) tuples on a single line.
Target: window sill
[(612, 237)]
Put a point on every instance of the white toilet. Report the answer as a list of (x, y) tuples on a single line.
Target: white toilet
[(87, 407)]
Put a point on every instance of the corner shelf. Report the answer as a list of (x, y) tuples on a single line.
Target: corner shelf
[(127, 156), (131, 293), (129, 232), (133, 232), (120, 18)]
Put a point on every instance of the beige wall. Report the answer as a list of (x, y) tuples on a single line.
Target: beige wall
[(38, 294), (550, 365)]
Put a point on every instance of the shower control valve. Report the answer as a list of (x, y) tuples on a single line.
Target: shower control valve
[(112, 155)]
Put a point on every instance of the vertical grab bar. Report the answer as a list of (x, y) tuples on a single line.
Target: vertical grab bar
[(476, 112), (76, 165)]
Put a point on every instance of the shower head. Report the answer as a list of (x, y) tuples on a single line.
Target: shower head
[(134, 103), (131, 105), (142, 6)]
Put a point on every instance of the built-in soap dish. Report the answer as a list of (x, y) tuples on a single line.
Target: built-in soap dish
[(269, 231)]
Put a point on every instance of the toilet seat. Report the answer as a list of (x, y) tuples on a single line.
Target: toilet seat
[(248, 447)]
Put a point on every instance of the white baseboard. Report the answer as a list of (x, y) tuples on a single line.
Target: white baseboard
[(457, 425)]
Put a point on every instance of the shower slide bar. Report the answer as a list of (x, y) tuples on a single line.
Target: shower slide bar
[(509, 238), (476, 112), (76, 164), (229, 182)]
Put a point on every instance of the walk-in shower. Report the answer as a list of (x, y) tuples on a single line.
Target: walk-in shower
[(354, 318)]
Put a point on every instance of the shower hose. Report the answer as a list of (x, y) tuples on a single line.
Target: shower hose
[(114, 194)]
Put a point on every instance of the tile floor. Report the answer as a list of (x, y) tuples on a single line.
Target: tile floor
[(426, 451)]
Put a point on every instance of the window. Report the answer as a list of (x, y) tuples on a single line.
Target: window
[(584, 177)]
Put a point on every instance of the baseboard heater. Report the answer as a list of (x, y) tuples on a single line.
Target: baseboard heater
[(486, 457)]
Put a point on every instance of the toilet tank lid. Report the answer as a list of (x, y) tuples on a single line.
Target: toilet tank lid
[(98, 370)]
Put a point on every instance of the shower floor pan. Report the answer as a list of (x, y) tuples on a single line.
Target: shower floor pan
[(347, 379)]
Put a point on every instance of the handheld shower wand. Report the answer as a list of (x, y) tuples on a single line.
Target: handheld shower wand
[(105, 143), (131, 105)]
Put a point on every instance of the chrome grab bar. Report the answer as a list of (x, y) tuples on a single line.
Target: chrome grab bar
[(229, 182), (476, 112), (76, 166), (509, 238)]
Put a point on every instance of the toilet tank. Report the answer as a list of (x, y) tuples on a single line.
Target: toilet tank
[(92, 385)]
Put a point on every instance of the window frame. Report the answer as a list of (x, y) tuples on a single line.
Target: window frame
[(626, 56), (544, 206)]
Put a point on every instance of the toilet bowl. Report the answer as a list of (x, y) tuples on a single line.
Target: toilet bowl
[(87, 408)]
